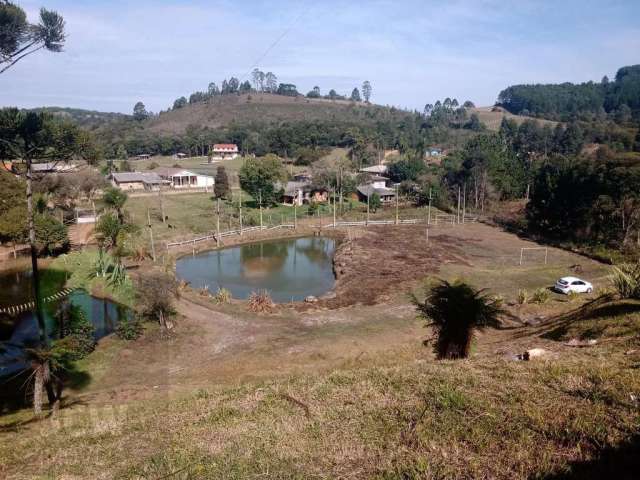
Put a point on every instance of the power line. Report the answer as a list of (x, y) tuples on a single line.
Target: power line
[(274, 43)]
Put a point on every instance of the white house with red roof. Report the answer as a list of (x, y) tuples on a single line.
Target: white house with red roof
[(224, 151)]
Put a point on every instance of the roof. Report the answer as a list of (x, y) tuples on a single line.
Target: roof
[(368, 190), (225, 146), (131, 177), (171, 172), (375, 169)]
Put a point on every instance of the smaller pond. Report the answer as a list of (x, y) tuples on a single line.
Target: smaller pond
[(289, 270), (20, 331)]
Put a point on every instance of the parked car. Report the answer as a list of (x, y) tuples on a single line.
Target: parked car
[(567, 285)]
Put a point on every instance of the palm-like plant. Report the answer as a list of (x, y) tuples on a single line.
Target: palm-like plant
[(456, 310)]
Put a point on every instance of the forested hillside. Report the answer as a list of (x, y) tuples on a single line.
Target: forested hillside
[(262, 123), (84, 118), (618, 99)]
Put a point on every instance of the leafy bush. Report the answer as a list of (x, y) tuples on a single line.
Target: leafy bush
[(541, 295), (129, 329), (76, 331), (626, 280)]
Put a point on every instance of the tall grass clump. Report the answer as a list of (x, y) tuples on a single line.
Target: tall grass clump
[(522, 297), (222, 296), (260, 302), (626, 280), (541, 295)]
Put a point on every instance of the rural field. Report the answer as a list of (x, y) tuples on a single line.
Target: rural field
[(346, 387), (416, 255)]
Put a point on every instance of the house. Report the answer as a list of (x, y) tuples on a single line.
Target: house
[(300, 191), (375, 170), (143, 156), (223, 151), (179, 156), (181, 178), (433, 152), (377, 185), (136, 181), (53, 167)]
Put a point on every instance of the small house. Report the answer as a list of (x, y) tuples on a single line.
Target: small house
[(180, 178), (299, 192), (224, 151), (377, 185), (143, 156), (136, 181)]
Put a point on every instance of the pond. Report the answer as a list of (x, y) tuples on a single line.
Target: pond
[(289, 270), (20, 331)]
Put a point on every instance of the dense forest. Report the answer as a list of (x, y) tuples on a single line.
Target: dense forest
[(618, 99)]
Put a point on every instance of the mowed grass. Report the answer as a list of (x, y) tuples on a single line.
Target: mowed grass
[(393, 417)]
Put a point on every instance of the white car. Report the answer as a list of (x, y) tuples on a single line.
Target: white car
[(567, 285)]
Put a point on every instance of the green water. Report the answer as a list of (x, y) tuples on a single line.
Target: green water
[(288, 269)]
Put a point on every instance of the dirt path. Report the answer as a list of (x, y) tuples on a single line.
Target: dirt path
[(228, 345)]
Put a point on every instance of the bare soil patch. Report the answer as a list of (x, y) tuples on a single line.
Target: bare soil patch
[(369, 263)]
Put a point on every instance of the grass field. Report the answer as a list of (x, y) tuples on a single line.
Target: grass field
[(492, 119), (353, 392)]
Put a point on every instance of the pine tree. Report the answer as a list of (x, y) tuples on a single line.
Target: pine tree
[(221, 186)]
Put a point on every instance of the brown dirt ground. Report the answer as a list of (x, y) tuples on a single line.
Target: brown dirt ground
[(369, 318)]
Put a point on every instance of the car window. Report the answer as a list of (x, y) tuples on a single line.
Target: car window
[(577, 282)]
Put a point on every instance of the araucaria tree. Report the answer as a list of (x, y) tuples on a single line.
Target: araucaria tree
[(27, 138), (221, 186), (355, 95), (19, 38), (366, 90), (455, 311)]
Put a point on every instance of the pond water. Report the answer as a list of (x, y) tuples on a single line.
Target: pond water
[(290, 269), (20, 331)]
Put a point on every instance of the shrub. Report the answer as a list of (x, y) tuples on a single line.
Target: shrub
[(129, 328), (222, 296), (456, 310), (260, 302), (626, 280), (541, 295), (76, 331), (522, 297)]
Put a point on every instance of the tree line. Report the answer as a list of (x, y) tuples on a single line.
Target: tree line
[(618, 99)]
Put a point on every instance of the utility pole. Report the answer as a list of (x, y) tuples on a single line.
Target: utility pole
[(295, 214), (397, 203), (161, 203), (218, 222), (240, 210), (260, 197), (458, 209), (429, 214), (334, 209), (464, 201), (368, 195), (153, 248)]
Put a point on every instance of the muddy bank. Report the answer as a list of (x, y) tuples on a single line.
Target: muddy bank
[(370, 264)]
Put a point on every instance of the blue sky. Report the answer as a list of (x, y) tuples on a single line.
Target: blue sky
[(412, 52)]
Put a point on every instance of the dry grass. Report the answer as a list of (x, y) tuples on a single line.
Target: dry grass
[(413, 418), (260, 302)]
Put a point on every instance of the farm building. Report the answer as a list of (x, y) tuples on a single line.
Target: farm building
[(377, 185), (224, 151), (136, 181), (181, 178), (299, 192)]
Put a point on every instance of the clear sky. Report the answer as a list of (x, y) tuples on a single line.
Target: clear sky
[(412, 52)]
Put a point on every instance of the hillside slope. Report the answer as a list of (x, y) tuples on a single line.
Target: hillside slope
[(223, 110), (492, 117)]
